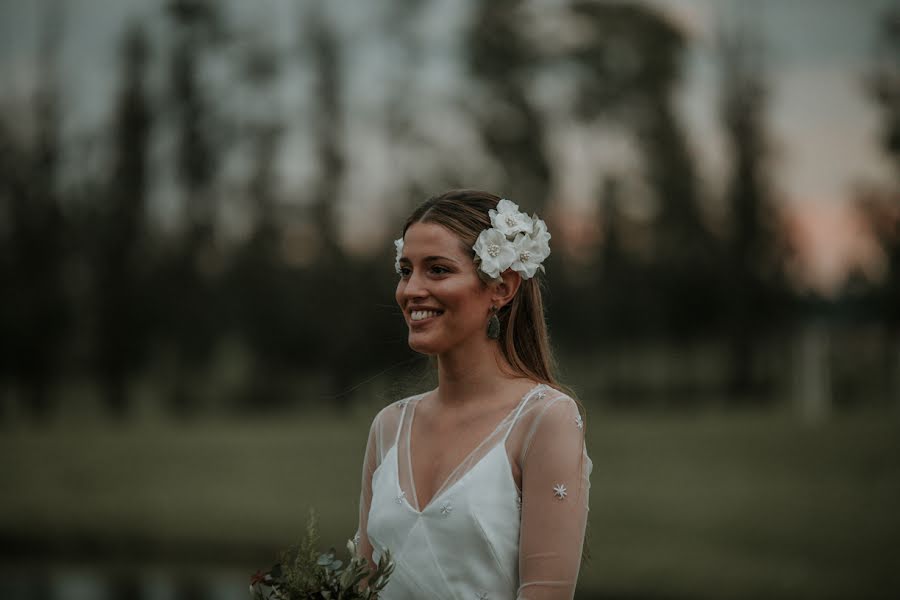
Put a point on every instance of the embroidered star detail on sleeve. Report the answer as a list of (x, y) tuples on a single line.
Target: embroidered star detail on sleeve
[(560, 491)]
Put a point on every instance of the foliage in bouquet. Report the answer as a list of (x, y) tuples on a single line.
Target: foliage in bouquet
[(305, 574)]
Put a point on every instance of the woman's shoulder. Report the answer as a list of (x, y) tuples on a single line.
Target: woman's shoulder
[(554, 405), (556, 419), (550, 396)]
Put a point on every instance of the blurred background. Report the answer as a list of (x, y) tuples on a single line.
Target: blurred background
[(197, 324)]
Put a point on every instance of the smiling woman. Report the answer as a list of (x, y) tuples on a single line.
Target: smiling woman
[(478, 488)]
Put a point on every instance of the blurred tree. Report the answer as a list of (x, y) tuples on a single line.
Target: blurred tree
[(186, 291), (197, 27), (627, 303), (258, 282), (435, 168), (754, 265), (883, 205), (122, 261), (884, 83), (278, 302), (328, 130), (35, 316), (331, 284), (265, 138), (501, 62), (684, 248), (628, 62)]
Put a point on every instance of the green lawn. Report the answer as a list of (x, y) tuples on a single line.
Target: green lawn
[(686, 506)]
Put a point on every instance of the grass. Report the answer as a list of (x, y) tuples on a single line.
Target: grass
[(727, 505)]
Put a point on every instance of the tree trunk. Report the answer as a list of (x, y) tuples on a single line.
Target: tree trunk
[(812, 373)]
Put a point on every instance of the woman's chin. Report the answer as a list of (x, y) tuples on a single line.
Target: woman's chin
[(422, 348), (423, 345)]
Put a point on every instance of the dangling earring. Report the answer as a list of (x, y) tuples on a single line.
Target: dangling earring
[(493, 328)]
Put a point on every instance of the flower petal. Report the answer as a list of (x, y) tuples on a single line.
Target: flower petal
[(398, 244)]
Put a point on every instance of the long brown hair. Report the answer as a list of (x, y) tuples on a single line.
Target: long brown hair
[(524, 339)]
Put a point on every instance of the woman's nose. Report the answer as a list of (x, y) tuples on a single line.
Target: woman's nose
[(415, 286)]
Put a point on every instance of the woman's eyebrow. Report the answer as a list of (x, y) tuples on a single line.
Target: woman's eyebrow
[(405, 259), (434, 258)]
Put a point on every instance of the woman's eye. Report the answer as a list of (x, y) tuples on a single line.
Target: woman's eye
[(405, 272), (438, 270)]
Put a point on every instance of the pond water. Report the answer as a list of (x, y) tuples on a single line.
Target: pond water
[(79, 583)]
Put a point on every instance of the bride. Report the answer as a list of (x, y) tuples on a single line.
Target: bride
[(479, 488)]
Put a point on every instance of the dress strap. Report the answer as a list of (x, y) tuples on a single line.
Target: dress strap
[(536, 389), (405, 404)]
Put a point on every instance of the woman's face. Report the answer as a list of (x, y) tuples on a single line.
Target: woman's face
[(444, 302)]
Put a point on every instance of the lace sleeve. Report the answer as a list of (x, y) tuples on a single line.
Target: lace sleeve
[(555, 486)]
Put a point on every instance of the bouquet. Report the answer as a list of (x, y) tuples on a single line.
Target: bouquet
[(305, 574)]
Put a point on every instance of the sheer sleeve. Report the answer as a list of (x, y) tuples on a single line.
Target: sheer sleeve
[(370, 463), (555, 486), (382, 435)]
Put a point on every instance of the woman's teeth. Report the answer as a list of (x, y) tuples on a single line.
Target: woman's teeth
[(418, 315)]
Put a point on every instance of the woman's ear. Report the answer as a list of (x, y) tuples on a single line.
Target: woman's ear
[(505, 289)]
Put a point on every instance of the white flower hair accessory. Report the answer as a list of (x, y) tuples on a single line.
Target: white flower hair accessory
[(508, 220), (516, 241), (494, 252), (398, 244)]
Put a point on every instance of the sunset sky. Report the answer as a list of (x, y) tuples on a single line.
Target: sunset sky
[(822, 125)]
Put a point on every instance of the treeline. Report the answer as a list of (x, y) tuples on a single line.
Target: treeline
[(253, 280)]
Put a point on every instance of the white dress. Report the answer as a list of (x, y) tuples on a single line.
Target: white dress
[(483, 535)]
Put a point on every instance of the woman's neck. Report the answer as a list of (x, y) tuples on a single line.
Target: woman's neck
[(467, 373)]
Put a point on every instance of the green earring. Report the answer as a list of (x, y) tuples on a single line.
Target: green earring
[(493, 328)]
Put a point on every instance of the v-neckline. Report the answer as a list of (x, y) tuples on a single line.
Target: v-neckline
[(442, 489)]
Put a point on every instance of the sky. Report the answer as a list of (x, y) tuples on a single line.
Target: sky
[(817, 53), (823, 127)]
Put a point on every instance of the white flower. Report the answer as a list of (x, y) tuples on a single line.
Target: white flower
[(398, 244), (530, 253), (509, 220), (540, 233), (560, 491), (495, 252)]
